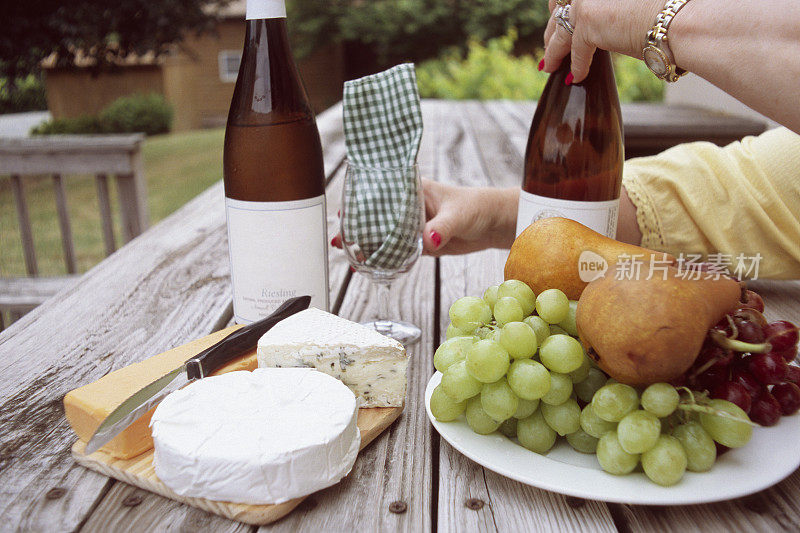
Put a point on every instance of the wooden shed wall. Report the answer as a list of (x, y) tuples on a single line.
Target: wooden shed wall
[(76, 92), (190, 80)]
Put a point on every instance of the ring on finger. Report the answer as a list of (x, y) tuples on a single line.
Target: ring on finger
[(562, 2), (561, 16)]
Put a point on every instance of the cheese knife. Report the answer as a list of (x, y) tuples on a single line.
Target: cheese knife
[(198, 367)]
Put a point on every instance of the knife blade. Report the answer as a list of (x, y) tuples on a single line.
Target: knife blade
[(198, 367)]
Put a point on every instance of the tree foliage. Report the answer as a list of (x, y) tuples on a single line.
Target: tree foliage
[(491, 71), (396, 30), (487, 71), (411, 29), (100, 30)]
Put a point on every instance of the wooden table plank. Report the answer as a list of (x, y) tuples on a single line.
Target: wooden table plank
[(139, 298), (477, 153), (509, 118), (398, 465), (127, 508), (331, 133), (652, 128), (155, 509), (131, 306), (773, 510)]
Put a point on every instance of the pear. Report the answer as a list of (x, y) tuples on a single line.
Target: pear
[(559, 253), (643, 331)]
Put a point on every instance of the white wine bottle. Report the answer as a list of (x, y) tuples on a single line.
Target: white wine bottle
[(574, 157), (274, 176)]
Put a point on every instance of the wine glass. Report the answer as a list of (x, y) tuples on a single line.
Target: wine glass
[(381, 226)]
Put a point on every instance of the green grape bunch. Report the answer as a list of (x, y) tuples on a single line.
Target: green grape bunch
[(512, 362)]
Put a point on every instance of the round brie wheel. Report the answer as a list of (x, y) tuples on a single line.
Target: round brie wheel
[(258, 437)]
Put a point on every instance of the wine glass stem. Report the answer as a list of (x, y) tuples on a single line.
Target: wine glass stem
[(383, 324)]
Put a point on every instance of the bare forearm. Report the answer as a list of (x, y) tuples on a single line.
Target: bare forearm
[(748, 48), (627, 226), (505, 205)]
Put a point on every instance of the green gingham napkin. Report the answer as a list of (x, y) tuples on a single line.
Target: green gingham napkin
[(383, 128)]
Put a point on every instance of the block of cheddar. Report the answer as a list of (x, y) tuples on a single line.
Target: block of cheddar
[(86, 407)]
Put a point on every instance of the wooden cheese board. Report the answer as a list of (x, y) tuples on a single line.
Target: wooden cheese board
[(139, 471)]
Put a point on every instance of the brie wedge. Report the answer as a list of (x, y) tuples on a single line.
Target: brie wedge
[(258, 437), (372, 365)]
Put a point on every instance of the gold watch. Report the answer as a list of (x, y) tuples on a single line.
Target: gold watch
[(656, 54)]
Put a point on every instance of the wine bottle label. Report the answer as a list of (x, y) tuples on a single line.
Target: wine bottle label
[(599, 216), (278, 251), (265, 9)]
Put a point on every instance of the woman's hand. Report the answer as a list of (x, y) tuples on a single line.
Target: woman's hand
[(460, 220), (467, 219), (747, 48), (618, 26)]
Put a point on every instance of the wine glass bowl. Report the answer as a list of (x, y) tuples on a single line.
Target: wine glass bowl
[(381, 228)]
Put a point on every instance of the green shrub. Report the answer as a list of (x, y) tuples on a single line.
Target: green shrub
[(410, 30), (27, 94), (487, 72), (146, 113), (149, 114), (491, 71), (68, 126), (635, 82)]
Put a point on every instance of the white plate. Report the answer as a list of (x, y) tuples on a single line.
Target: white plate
[(770, 456)]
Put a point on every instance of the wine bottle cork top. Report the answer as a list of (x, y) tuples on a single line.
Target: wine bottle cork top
[(265, 9)]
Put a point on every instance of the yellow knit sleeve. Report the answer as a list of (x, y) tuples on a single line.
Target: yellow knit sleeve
[(742, 199)]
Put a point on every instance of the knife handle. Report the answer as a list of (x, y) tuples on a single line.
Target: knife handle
[(241, 340)]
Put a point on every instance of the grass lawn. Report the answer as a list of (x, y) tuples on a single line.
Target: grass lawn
[(178, 167)]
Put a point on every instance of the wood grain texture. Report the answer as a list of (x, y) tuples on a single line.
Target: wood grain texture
[(60, 155), (24, 221), (106, 221), (171, 285), (170, 513), (773, 511), (69, 154), (476, 153), (131, 306), (132, 193), (652, 128), (64, 223), (331, 131), (140, 472), (398, 465), (23, 294), (131, 509)]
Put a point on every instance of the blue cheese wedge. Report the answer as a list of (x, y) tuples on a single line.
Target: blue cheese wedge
[(372, 365)]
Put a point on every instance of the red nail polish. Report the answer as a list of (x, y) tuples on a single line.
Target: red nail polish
[(339, 213), (352, 269), (569, 78), (436, 238), (336, 241), (541, 65)]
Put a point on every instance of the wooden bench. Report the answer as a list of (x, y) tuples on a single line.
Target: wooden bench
[(652, 128), (60, 157)]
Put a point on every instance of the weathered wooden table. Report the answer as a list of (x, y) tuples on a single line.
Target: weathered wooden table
[(171, 285)]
